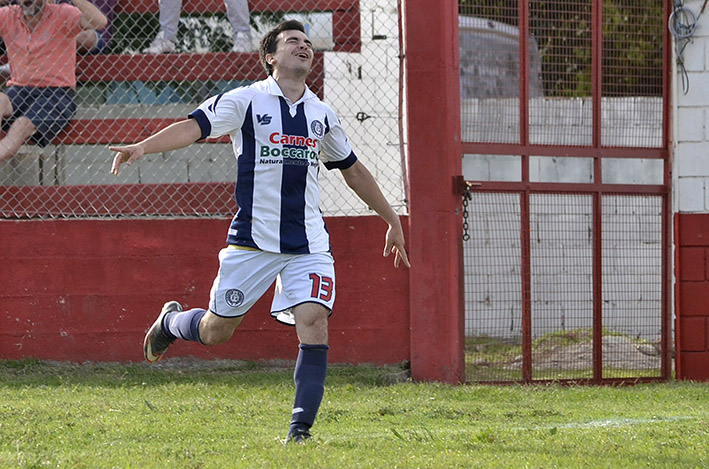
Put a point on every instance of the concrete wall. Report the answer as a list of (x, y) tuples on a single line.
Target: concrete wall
[(86, 290)]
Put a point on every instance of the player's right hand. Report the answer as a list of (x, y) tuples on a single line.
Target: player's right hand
[(127, 154)]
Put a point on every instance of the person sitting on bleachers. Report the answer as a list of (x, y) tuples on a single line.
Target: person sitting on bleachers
[(237, 11), (40, 38)]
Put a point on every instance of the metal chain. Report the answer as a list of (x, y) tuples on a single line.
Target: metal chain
[(467, 196)]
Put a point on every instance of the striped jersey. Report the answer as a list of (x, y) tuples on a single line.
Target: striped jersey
[(278, 146)]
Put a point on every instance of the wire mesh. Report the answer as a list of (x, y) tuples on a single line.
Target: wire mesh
[(632, 285), (561, 76), (489, 72), (154, 70), (493, 311), (564, 116), (561, 258), (632, 73)]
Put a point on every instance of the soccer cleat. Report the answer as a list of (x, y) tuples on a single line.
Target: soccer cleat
[(243, 43), (160, 45), (297, 435), (156, 340)]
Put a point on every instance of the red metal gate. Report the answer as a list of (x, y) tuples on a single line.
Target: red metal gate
[(567, 227)]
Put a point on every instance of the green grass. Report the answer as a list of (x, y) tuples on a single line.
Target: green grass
[(235, 414)]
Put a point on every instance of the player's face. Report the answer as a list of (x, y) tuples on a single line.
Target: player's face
[(293, 51), (32, 7)]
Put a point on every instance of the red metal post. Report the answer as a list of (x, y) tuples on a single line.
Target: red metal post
[(525, 227), (597, 91), (667, 218), (435, 220)]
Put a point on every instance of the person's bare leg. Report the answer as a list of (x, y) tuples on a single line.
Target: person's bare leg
[(5, 107), (214, 330), (19, 132)]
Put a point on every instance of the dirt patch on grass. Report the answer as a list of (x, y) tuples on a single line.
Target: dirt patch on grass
[(617, 351)]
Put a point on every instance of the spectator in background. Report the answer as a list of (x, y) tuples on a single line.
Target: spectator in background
[(41, 46), (88, 41), (237, 11)]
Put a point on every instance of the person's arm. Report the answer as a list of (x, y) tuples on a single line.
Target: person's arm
[(360, 180), (177, 135), (91, 16)]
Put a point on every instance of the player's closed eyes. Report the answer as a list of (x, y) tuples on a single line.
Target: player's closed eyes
[(295, 40)]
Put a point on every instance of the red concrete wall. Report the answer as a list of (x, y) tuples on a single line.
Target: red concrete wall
[(82, 290), (692, 302)]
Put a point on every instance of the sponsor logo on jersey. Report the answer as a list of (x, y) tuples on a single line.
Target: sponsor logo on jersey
[(263, 119), (300, 151), (297, 140)]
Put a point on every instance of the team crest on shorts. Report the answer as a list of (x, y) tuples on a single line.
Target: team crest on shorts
[(317, 128), (234, 297)]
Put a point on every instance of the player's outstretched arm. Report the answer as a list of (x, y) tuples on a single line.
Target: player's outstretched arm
[(360, 180), (177, 135)]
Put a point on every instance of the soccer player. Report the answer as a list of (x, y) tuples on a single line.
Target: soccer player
[(281, 132)]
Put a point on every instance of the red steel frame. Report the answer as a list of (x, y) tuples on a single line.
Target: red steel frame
[(598, 152)]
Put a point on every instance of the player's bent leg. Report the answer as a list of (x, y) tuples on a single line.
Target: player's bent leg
[(214, 330), (310, 368)]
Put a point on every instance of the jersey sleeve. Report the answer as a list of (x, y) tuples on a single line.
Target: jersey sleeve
[(222, 114), (335, 149)]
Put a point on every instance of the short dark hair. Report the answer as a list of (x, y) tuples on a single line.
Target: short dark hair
[(270, 41)]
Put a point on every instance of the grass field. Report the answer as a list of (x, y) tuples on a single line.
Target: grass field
[(234, 414)]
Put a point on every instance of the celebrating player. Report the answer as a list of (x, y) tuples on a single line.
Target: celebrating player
[(280, 132)]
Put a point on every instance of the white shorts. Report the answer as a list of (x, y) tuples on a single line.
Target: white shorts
[(245, 275)]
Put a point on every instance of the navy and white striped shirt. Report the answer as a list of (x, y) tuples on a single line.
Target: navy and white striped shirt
[(279, 145)]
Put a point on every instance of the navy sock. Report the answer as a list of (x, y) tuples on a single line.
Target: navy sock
[(309, 376), (183, 324)]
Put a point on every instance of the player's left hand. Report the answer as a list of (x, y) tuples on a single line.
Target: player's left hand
[(395, 244)]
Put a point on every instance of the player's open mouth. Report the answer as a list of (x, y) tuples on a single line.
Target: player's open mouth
[(303, 55)]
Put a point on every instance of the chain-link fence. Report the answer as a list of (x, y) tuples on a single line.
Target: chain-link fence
[(156, 61)]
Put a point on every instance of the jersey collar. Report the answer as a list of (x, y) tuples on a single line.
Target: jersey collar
[(275, 90)]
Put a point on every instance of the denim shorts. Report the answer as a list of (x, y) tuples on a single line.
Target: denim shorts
[(49, 109)]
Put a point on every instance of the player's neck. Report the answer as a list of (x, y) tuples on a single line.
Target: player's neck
[(292, 88)]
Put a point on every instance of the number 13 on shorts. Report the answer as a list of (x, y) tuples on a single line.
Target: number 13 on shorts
[(322, 287)]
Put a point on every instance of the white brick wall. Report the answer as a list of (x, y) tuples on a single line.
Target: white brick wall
[(691, 128)]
